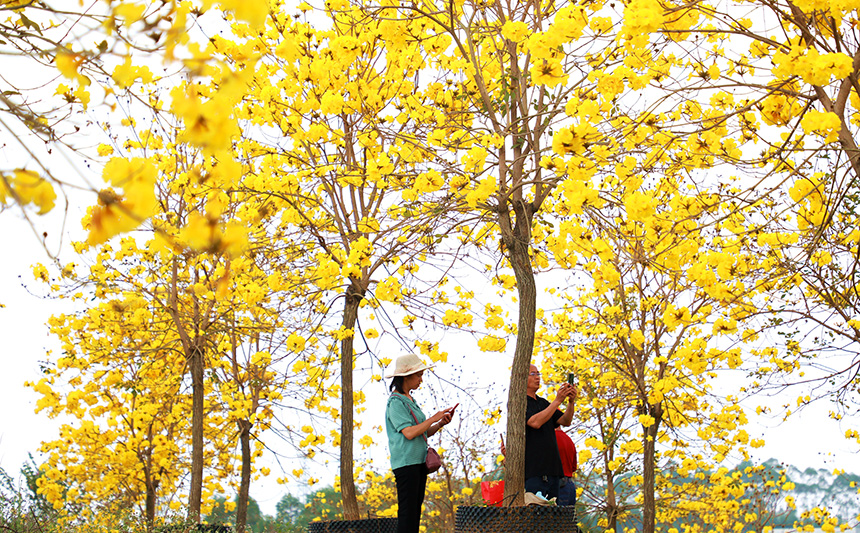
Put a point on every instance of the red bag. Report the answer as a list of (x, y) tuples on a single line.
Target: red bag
[(434, 462), (493, 492)]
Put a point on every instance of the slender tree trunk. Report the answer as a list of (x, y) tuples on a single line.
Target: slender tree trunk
[(611, 508), (448, 506), (194, 353), (611, 504), (347, 481), (195, 494), (245, 481), (518, 253), (649, 508), (151, 488), (149, 512)]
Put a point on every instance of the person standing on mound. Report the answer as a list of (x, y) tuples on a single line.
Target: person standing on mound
[(408, 430), (543, 463)]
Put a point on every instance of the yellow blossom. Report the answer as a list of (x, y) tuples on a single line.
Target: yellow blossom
[(515, 31)]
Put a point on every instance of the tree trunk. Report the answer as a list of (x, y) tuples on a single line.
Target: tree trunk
[(193, 348), (245, 481), (518, 253), (649, 508), (195, 494), (354, 296), (611, 504), (151, 488)]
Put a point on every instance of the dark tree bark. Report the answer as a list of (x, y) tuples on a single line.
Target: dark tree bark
[(611, 505), (194, 349), (151, 491), (649, 509), (195, 494), (245, 480), (354, 295), (517, 245)]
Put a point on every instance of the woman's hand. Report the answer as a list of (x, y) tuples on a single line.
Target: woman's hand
[(442, 418), (431, 425)]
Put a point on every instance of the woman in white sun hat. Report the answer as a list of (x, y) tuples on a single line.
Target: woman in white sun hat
[(408, 429)]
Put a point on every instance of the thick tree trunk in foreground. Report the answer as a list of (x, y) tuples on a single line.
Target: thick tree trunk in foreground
[(245, 480), (347, 480), (518, 250)]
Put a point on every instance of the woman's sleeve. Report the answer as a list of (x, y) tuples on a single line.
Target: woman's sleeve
[(399, 415)]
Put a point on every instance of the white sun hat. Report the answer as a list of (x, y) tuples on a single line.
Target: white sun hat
[(406, 365)]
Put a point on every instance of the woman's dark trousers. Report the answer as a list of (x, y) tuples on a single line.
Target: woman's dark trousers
[(411, 481)]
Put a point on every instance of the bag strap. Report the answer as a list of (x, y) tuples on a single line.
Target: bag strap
[(413, 416)]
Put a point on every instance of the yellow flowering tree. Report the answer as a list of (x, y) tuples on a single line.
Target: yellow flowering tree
[(791, 97), (669, 275), (772, 116), (209, 269), (127, 343), (120, 382), (501, 76), (135, 35), (346, 171)]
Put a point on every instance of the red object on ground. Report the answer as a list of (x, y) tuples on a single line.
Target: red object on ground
[(493, 492)]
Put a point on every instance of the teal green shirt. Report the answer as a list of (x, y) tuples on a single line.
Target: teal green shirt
[(404, 452)]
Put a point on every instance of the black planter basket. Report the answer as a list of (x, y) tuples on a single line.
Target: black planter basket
[(194, 528), (369, 525), (542, 518)]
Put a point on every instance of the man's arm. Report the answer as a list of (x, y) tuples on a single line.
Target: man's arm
[(567, 417), (539, 419)]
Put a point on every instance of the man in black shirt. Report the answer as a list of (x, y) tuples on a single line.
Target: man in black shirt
[(543, 464)]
